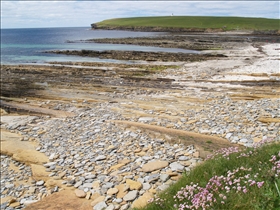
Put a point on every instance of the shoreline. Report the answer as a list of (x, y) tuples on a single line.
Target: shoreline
[(138, 108), (186, 30)]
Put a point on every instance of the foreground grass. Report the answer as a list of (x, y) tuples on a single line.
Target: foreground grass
[(200, 22), (231, 179)]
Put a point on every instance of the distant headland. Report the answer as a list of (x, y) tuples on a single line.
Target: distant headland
[(191, 24)]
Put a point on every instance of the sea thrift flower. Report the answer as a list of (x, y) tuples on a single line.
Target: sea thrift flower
[(260, 184), (252, 183)]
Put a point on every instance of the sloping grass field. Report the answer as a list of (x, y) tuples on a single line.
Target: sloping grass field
[(231, 179), (196, 22)]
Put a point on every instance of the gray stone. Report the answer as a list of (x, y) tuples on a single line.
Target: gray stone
[(87, 185), (145, 119), (151, 178), (100, 206), (40, 183), (163, 187), (134, 135), (4, 205), (108, 185), (146, 186), (78, 184), (176, 166), (164, 177), (118, 200), (130, 196), (10, 185), (100, 157), (183, 158), (228, 135), (243, 140), (110, 207), (125, 207), (50, 164)]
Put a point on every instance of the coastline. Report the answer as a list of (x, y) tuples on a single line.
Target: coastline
[(222, 98), (187, 30)]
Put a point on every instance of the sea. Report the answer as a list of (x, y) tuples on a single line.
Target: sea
[(28, 45)]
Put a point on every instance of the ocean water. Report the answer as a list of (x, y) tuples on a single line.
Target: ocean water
[(19, 46)]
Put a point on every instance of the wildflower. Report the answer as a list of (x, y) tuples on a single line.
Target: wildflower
[(260, 184), (227, 188), (252, 183), (151, 200), (245, 190), (273, 158), (247, 176)]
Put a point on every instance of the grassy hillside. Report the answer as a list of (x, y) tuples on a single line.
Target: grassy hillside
[(231, 179), (200, 22)]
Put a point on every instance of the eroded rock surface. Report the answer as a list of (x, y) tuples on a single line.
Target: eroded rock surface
[(124, 119)]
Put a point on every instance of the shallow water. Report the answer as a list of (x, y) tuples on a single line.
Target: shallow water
[(28, 45)]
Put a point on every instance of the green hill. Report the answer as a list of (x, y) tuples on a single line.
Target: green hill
[(192, 22)]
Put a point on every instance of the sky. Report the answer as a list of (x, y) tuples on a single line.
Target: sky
[(41, 14)]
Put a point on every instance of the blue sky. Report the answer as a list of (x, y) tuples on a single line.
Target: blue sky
[(34, 14)]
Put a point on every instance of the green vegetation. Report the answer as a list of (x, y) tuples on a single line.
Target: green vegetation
[(144, 71), (195, 22), (162, 67), (230, 179)]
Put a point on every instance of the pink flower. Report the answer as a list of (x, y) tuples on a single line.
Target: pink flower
[(252, 183), (260, 184), (245, 190)]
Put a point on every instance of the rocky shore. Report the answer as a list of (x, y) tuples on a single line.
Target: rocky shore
[(139, 55), (181, 30), (194, 41), (111, 136)]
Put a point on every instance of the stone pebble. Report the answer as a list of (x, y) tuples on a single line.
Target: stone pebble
[(18, 186), (97, 157), (236, 121)]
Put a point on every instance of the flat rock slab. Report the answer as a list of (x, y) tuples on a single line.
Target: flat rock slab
[(154, 165), (201, 141), (22, 151), (80, 193), (131, 195), (176, 166), (15, 121), (64, 199), (36, 110), (142, 201)]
